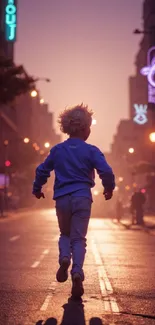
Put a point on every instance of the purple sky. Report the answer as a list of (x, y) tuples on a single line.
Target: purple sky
[(87, 49)]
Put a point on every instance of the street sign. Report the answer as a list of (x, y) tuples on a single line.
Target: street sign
[(10, 20), (140, 114), (149, 71)]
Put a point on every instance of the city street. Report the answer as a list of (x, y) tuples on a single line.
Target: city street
[(119, 270)]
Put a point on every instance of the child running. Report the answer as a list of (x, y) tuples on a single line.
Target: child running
[(74, 162)]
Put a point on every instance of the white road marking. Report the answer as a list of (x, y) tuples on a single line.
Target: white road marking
[(36, 263), (102, 284), (49, 296), (110, 303), (14, 238), (96, 253), (107, 306), (46, 302), (114, 306), (45, 252)]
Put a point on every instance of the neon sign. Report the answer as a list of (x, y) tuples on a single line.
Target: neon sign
[(140, 114), (149, 71), (10, 20)]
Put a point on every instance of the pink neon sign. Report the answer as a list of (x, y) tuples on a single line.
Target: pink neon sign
[(149, 71)]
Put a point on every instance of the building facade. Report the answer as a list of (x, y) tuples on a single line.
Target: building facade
[(134, 132), (8, 125), (27, 117)]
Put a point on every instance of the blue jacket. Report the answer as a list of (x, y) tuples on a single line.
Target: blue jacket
[(74, 163)]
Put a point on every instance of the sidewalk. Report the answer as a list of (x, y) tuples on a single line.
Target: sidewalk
[(149, 222), (15, 214)]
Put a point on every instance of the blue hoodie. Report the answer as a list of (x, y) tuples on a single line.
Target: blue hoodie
[(74, 163)]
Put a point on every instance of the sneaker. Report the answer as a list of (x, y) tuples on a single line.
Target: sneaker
[(77, 286), (62, 273)]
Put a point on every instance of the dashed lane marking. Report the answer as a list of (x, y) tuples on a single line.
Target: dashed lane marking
[(110, 303), (46, 302), (14, 238), (36, 263)]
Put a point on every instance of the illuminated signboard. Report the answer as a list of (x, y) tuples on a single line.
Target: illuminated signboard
[(149, 71), (10, 20), (140, 114)]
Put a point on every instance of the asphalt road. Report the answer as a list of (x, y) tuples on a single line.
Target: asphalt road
[(119, 270)]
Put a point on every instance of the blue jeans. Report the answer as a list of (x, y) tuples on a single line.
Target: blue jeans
[(73, 214)]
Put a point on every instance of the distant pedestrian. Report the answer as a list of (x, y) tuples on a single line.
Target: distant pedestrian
[(119, 209), (1, 203), (74, 162), (137, 207)]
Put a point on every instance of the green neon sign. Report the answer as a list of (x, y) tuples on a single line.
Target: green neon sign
[(10, 20)]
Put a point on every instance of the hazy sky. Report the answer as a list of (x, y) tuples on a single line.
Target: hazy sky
[(88, 49)]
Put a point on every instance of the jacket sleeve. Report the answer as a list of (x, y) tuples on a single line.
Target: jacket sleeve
[(103, 169), (43, 171)]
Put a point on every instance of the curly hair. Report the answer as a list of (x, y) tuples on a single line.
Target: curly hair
[(75, 120)]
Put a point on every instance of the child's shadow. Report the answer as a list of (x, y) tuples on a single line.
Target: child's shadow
[(73, 315)]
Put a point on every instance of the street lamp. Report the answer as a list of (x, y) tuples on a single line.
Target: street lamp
[(26, 140), (127, 187), (152, 137), (34, 93), (94, 122), (46, 144), (138, 31), (6, 142), (42, 79), (145, 31), (37, 148), (131, 150), (42, 101)]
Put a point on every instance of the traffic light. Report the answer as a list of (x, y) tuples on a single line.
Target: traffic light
[(7, 163)]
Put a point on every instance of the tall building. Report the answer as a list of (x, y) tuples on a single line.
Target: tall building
[(26, 117), (34, 120), (149, 21), (139, 87), (8, 126), (134, 132)]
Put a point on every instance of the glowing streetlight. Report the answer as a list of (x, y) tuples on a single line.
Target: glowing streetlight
[(37, 148), (46, 144), (6, 142), (42, 101), (26, 140), (34, 93), (152, 137), (94, 122), (131, 150), (96, 192), (120, 179)]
